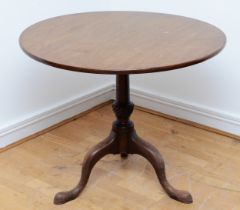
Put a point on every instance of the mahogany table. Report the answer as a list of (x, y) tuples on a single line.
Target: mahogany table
[(122, 43)]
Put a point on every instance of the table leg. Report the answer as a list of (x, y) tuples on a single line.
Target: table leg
[(143, 148), (123, 140), (96, 153)]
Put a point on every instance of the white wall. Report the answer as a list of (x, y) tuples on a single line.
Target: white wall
[(211, 88), (28, 88)]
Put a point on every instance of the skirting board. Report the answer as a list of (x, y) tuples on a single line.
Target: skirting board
[(169, 106), (54, 115), (187, 111)]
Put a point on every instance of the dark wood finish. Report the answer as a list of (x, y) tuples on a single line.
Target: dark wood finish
[(121, 42), (96, 153), (141, 147), (123, 140)]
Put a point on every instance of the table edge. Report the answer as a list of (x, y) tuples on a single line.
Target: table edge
[(128, 71)]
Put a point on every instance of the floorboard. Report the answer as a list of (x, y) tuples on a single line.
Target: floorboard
[(205, 163)]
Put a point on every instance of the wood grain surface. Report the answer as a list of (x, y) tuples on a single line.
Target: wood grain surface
[(205, 163), (122, 42)]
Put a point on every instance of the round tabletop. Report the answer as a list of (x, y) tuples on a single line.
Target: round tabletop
[(121, 42)]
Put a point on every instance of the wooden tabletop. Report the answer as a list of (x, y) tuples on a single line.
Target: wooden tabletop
[(122, 42)]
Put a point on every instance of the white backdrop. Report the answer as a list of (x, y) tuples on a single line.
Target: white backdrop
[(215, 84), (28, 87)]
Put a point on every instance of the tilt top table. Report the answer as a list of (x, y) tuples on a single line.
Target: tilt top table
[(122, 43)]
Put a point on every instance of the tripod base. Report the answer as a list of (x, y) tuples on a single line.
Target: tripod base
[(123, 140)]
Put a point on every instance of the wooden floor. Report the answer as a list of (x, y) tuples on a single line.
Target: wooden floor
[(205, 163)]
